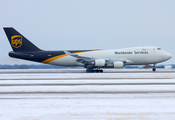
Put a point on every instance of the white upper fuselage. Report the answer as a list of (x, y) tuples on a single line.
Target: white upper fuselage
[(130, 56)]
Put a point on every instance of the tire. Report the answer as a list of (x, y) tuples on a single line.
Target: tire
[(90, 71), (154, 69)]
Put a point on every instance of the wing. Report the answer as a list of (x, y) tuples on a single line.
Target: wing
[(81, 59), (98, 62)]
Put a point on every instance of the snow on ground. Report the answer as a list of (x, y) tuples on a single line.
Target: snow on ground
[(87, 75), (154, 102), (86, 81), (88, 109), (89, 88)]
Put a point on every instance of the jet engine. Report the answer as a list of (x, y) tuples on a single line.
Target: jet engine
[(105, 64), (96, 63), (118, 64), (99, 62)]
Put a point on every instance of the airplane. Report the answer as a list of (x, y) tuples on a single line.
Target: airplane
[(92, 60)]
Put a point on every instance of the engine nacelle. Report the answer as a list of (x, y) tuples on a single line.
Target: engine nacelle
[(118, 64), (99, 62), (105, 64)]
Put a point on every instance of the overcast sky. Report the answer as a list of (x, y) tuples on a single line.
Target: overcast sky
[(89, 24)]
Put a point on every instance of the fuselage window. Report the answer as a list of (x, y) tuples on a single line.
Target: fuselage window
[(158, 48)]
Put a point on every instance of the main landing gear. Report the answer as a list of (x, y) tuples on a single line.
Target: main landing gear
[(90, 70), (154, 68)]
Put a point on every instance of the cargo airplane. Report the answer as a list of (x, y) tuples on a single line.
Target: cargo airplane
[(92, 60)]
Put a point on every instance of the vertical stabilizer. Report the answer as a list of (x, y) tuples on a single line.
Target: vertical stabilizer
[(18, 42)]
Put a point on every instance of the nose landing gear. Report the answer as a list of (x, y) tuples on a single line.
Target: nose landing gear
[(154, 68)]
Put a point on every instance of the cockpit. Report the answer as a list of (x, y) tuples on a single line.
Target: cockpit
[(159, 49)]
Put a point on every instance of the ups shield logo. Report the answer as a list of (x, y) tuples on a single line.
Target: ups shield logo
[(16, 41)]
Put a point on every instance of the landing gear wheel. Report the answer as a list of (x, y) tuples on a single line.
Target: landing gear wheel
[(154, 69), (92, 70), (98, 71)]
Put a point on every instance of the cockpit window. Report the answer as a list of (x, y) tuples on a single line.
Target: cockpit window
[(158, 48)]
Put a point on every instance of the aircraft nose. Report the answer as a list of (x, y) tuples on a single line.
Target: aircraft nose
[(167, 56)]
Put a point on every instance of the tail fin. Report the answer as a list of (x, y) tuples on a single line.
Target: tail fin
[(18, 42)]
